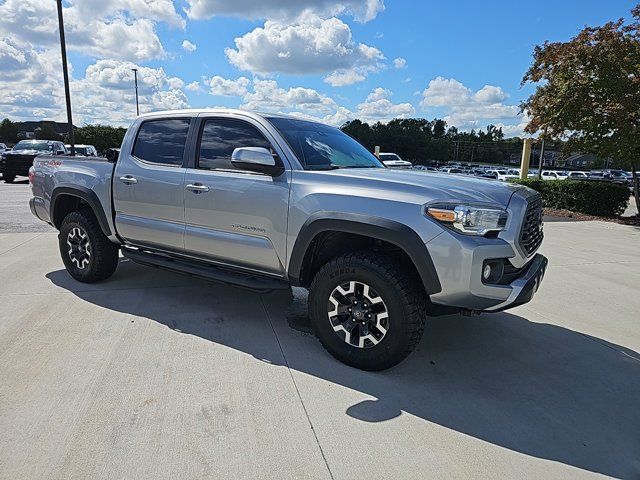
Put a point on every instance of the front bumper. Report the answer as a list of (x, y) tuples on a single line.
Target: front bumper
[(524, 288)]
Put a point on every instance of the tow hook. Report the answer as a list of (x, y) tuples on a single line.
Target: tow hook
[(465, 312)]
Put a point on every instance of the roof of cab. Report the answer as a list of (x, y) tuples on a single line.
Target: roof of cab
[(197, 111)]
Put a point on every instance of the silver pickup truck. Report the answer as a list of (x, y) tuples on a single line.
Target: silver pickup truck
[(264, 201)]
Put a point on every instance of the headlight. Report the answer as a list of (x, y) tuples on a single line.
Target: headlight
[(469, 219)]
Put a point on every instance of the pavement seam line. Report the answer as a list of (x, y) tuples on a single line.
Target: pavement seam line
[(295, 385), (20, 244)]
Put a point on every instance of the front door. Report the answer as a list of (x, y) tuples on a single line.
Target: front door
[(148, 186), (234, 216)]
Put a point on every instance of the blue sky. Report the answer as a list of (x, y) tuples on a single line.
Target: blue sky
[(327, 59)]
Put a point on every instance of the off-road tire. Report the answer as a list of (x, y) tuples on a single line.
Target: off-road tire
[(103, 259), (402, 293), (8, 178)]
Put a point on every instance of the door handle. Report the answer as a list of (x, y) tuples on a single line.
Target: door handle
[(128, 180), (197, 188)]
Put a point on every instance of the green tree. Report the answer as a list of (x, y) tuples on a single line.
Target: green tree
[(47, 131), (589, 92), (8, 131), (102, 137)]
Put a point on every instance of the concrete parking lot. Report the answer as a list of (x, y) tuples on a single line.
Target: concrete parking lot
[(157, 375)]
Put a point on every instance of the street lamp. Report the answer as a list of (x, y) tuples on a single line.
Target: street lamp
[(135, 77), (65, 73)]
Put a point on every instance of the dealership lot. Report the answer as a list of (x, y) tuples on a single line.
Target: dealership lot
[(157, 375)]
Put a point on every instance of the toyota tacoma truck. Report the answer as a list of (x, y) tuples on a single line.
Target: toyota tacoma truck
[(264, 201)]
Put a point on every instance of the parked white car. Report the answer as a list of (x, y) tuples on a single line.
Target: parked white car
[(553, 175), (84, 150), (576, 175), (393, 160), (502, 175)]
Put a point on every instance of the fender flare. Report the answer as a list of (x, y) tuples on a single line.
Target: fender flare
[(88, 196), (396, 233)]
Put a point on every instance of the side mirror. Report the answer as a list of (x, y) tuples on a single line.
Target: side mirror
[(256, 159)]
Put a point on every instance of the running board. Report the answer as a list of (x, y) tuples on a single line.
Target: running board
[(254, 282)]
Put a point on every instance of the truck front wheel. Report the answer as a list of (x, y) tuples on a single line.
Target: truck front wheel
[(366, 311), (8, 178), (87, 253)]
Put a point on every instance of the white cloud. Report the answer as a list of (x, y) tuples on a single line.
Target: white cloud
[(399, 63), (378, 94), (341, 78), (466, 109), (193, 87), (117, 29), (169, 100), (156, 10), (362, 10), (445, 92), (30, 81), (106, 94), (490, 94), (268, 96), (228, 88), (314, 45), (188, 46), (378, 108)]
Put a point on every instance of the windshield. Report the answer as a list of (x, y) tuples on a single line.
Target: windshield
[(385, 157), (320, 147), (30, 145)]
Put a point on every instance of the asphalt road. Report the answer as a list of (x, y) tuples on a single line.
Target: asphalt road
[(156, 375)]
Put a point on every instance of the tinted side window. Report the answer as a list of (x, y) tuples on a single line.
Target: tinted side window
[(162, 141), (221, 136)]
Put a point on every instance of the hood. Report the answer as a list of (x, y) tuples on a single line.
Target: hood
[(26, 153), (432, 186)]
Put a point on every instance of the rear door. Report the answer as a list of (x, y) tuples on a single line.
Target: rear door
[(234, 216), (148, 185)]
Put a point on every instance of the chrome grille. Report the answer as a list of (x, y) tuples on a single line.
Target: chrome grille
[(531, 234)]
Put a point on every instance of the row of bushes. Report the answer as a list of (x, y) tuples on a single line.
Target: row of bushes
[(602, 199)]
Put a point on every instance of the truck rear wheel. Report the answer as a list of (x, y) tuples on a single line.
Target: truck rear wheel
[(87, 253), (8, 178), (366, 311)]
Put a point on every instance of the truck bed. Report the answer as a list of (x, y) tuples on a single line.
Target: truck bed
[(53, 174)]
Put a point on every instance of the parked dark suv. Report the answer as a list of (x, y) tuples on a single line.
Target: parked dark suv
[(18, 160)]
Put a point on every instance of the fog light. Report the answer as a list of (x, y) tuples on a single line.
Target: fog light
[(486, 272)]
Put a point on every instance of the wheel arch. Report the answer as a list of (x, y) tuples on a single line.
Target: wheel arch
[(66, 199), (365, 227)]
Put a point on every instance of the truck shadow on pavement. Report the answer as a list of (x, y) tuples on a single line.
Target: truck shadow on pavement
[(534, 388)]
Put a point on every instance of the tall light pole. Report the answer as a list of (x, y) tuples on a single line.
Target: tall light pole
[(65, 72), (541, 161), (135, 78)]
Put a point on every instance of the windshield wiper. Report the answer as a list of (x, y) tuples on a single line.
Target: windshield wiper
[(336, 167), (323, 167)]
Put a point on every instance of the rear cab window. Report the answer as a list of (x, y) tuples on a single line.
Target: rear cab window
[(162, 141)]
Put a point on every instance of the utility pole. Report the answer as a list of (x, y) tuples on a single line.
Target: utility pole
[(135, 77), (540, 162), (524, 162), (65, 73)]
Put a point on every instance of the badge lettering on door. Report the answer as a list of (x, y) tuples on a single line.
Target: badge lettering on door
[(248, 228)]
